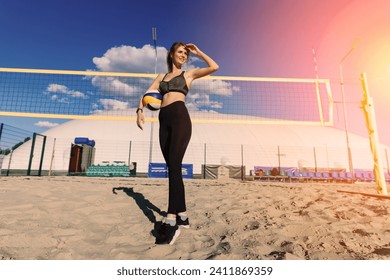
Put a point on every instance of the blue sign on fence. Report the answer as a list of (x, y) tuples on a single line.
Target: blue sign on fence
[(160, 170), (187, 170)]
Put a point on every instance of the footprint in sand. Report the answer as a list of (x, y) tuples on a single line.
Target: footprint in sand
[(204, 241), (160, 252), (252, 225), (223, 248)]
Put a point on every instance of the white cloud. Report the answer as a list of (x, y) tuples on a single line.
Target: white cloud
[(142, 60), (137, 60), (128, 59), (204, 90), (55, 97), (56, 88), (197, 100), (216, 87), (115, 87), (132, 59), (112, 104), (45, 124)]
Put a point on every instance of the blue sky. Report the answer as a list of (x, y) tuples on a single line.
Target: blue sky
[(68, 34), (247, 38)]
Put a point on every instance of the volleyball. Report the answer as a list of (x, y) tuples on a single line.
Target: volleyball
[(152, 100)]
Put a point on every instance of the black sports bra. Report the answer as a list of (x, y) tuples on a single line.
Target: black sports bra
[(177, 83)]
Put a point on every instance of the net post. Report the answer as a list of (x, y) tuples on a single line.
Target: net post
[(319, 103), (369, 114), (318, 89)]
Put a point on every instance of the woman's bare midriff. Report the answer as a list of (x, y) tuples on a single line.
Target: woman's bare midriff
[(171, 97)]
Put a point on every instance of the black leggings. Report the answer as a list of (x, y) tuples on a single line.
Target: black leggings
[(175, 134)]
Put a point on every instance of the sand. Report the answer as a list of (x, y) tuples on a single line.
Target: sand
[(81, 218)]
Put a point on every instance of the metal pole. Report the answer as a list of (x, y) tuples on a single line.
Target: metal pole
[(279, 158), (42, 155), (52, 156), (1, 130), (9, 162), (154, 37), (204, 164), (129, 153), (31, 155), (345, 108), (242, 162)]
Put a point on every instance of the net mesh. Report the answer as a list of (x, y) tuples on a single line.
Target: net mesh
[(102, 95)]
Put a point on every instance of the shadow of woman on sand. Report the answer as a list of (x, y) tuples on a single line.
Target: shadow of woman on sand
[(147, 207)]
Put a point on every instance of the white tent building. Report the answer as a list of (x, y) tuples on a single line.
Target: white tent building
[(249, 145)]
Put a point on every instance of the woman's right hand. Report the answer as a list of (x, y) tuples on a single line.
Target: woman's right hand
[(140, 119)]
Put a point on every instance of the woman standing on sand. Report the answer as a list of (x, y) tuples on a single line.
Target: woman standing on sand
[(175, 129)]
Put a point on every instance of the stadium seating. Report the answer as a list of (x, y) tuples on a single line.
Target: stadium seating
[(321, 176), (292, 174), (359, 176), (110, 170), (335, 176)]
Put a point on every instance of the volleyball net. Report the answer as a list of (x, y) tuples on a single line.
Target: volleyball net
[(114, 96)]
